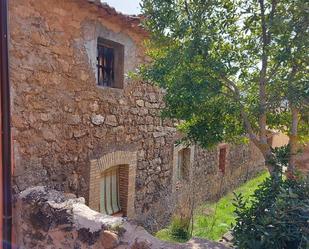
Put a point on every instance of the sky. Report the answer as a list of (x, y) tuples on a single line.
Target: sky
[(125, 6)]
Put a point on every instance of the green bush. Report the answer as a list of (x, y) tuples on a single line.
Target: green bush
[(277, 217), (180, 228)]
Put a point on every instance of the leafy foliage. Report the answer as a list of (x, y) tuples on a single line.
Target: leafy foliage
[(212, 220), (220, 60), (180, 228), (276, 218), (281, 157)]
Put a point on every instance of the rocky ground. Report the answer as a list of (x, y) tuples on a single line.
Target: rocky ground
[(46, 218), (143, 240)]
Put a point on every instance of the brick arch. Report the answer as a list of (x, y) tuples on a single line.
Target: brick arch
[(116, 158), (98, 166)]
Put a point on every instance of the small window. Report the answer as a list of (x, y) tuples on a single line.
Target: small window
[(183, 164), (222, 159), (110, 56)]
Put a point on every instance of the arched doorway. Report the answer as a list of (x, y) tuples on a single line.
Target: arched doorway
[(112, 183)]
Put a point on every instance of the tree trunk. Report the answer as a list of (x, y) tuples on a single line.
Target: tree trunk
[(269, 161), (293, 141)]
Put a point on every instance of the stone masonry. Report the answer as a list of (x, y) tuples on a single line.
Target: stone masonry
[(63, 123)]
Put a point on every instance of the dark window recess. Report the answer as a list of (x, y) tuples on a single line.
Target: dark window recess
[(222, 159), (110, 63), (106, 69)]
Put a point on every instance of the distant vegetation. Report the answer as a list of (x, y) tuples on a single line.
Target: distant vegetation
[(212, 220)]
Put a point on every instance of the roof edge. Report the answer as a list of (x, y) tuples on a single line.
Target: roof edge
[(132, 22)]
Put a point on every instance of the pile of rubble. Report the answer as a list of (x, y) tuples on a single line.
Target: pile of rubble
[(45, 218)]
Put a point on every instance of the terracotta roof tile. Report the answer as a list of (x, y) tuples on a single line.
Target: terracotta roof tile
[(131, 21)]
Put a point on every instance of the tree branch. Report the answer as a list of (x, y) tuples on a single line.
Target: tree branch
[(271, 16), (273, 72), (293, 140), (187, 10), (236, 94), (268, 36), (262, 80)]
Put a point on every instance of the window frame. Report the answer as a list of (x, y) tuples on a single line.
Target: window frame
[(118, 63), (176, 182), (183, 164)]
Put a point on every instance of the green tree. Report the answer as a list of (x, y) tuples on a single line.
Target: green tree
[(232, 69)]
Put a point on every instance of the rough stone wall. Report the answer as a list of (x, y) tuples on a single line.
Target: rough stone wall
[(242, 163), (207, 182), (62, 120)]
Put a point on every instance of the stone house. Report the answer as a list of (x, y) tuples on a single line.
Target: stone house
[(82, 125)]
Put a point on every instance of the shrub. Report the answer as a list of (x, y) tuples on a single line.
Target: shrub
[(180, 228), (277, 217)]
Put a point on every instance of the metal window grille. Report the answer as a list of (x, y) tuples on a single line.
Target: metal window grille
[(106, 65)]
